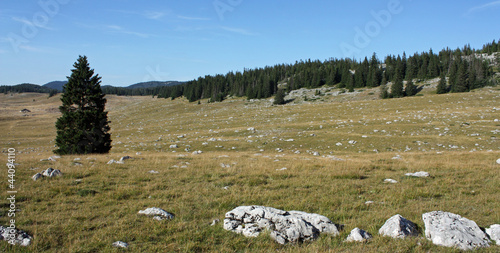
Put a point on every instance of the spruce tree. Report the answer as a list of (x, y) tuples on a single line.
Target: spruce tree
[(441, 87), (397, 85), (83, 127), (410, 89)]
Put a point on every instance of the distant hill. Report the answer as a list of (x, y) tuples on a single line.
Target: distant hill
[(26, 87), (153, 84), (56, 85)]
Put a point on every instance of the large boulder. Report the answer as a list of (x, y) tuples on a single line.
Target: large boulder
[(451, 230), (398, 227), (15, 236), (494, 232), (285, 227)]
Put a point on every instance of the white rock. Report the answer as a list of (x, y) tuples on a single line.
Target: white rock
[(286, 227), (398, 227), (125, 158), (112, 161), (47, 172), (494, 233), (352, 142), (252, 129), (392, 181), (451, 230), (358, 235), (20, 237), (498, 161), (153, 172), (157, 212), (214, 222), (174, 146), (120, 244), (418, 174), (284, 168), (36, 176), (316, 154), (338, 144)]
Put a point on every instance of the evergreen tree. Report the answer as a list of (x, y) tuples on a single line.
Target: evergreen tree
[(279, 99), (383, 91), (410, 89), (83, 127), (461, 81), (441, 88), (397, 85)]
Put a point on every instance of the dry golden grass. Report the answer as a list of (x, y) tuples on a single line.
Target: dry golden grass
[(453, 137)]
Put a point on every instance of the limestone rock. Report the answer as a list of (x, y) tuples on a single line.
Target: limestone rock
[(158, 213), (112, 161), (286, 227), (418, 174), (120, 244), (36, 176), (16, 236), (498, 161), (494, 233), (174, 146), (358, 235), (125, 158), (389, 180), (50, 172), (398, 227), (451, 230)]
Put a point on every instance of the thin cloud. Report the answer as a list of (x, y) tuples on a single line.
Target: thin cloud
[(482, 7), (238, 31), (155, 15), (119, 29), (193, 18)]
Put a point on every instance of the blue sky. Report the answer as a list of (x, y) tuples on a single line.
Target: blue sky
[(130, 41)]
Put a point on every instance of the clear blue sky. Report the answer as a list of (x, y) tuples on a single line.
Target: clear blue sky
[(130, 41)]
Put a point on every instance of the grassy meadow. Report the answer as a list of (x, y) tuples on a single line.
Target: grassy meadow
[(337, 152)]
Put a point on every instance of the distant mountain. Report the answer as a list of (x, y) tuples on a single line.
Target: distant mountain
[(56, 85), (153, 84), (26, 87)]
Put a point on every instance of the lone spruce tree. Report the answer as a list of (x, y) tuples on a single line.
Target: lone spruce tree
[(83, 127)]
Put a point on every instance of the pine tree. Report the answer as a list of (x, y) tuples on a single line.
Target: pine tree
[(410, 89), (441, 88), (83, 127), (383, 91)]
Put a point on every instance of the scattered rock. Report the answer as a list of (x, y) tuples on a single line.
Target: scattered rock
[(418, 174), (36, 176), (451, 230), (358, 235), (251, 129), (197, 152), (494, 233), (398, 227), (158, 213), (15, 236), (125, 158), (25, 110), (120, 244), (316, 154), (214, 222), (369, 202), (153, 172), (498, 161), (174, 146), (111, 161), (284, 168), (50, 172), (286, 227), (392, 181)]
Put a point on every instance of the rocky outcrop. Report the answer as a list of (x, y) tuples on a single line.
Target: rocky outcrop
[(157, 213), (494, 233), (452, 230), (285, 227)]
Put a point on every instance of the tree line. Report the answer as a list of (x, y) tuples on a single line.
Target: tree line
[(462, 70)]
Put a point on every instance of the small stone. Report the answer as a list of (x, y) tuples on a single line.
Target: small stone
[(20, 237), (392, 181), (358, 235), (174, 146), (111, 161), (47, 172), (125, 158), (153, 172), (418, 174), (36, 176), (120, 244), (498, 161), (214, 222), (157, 212)]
